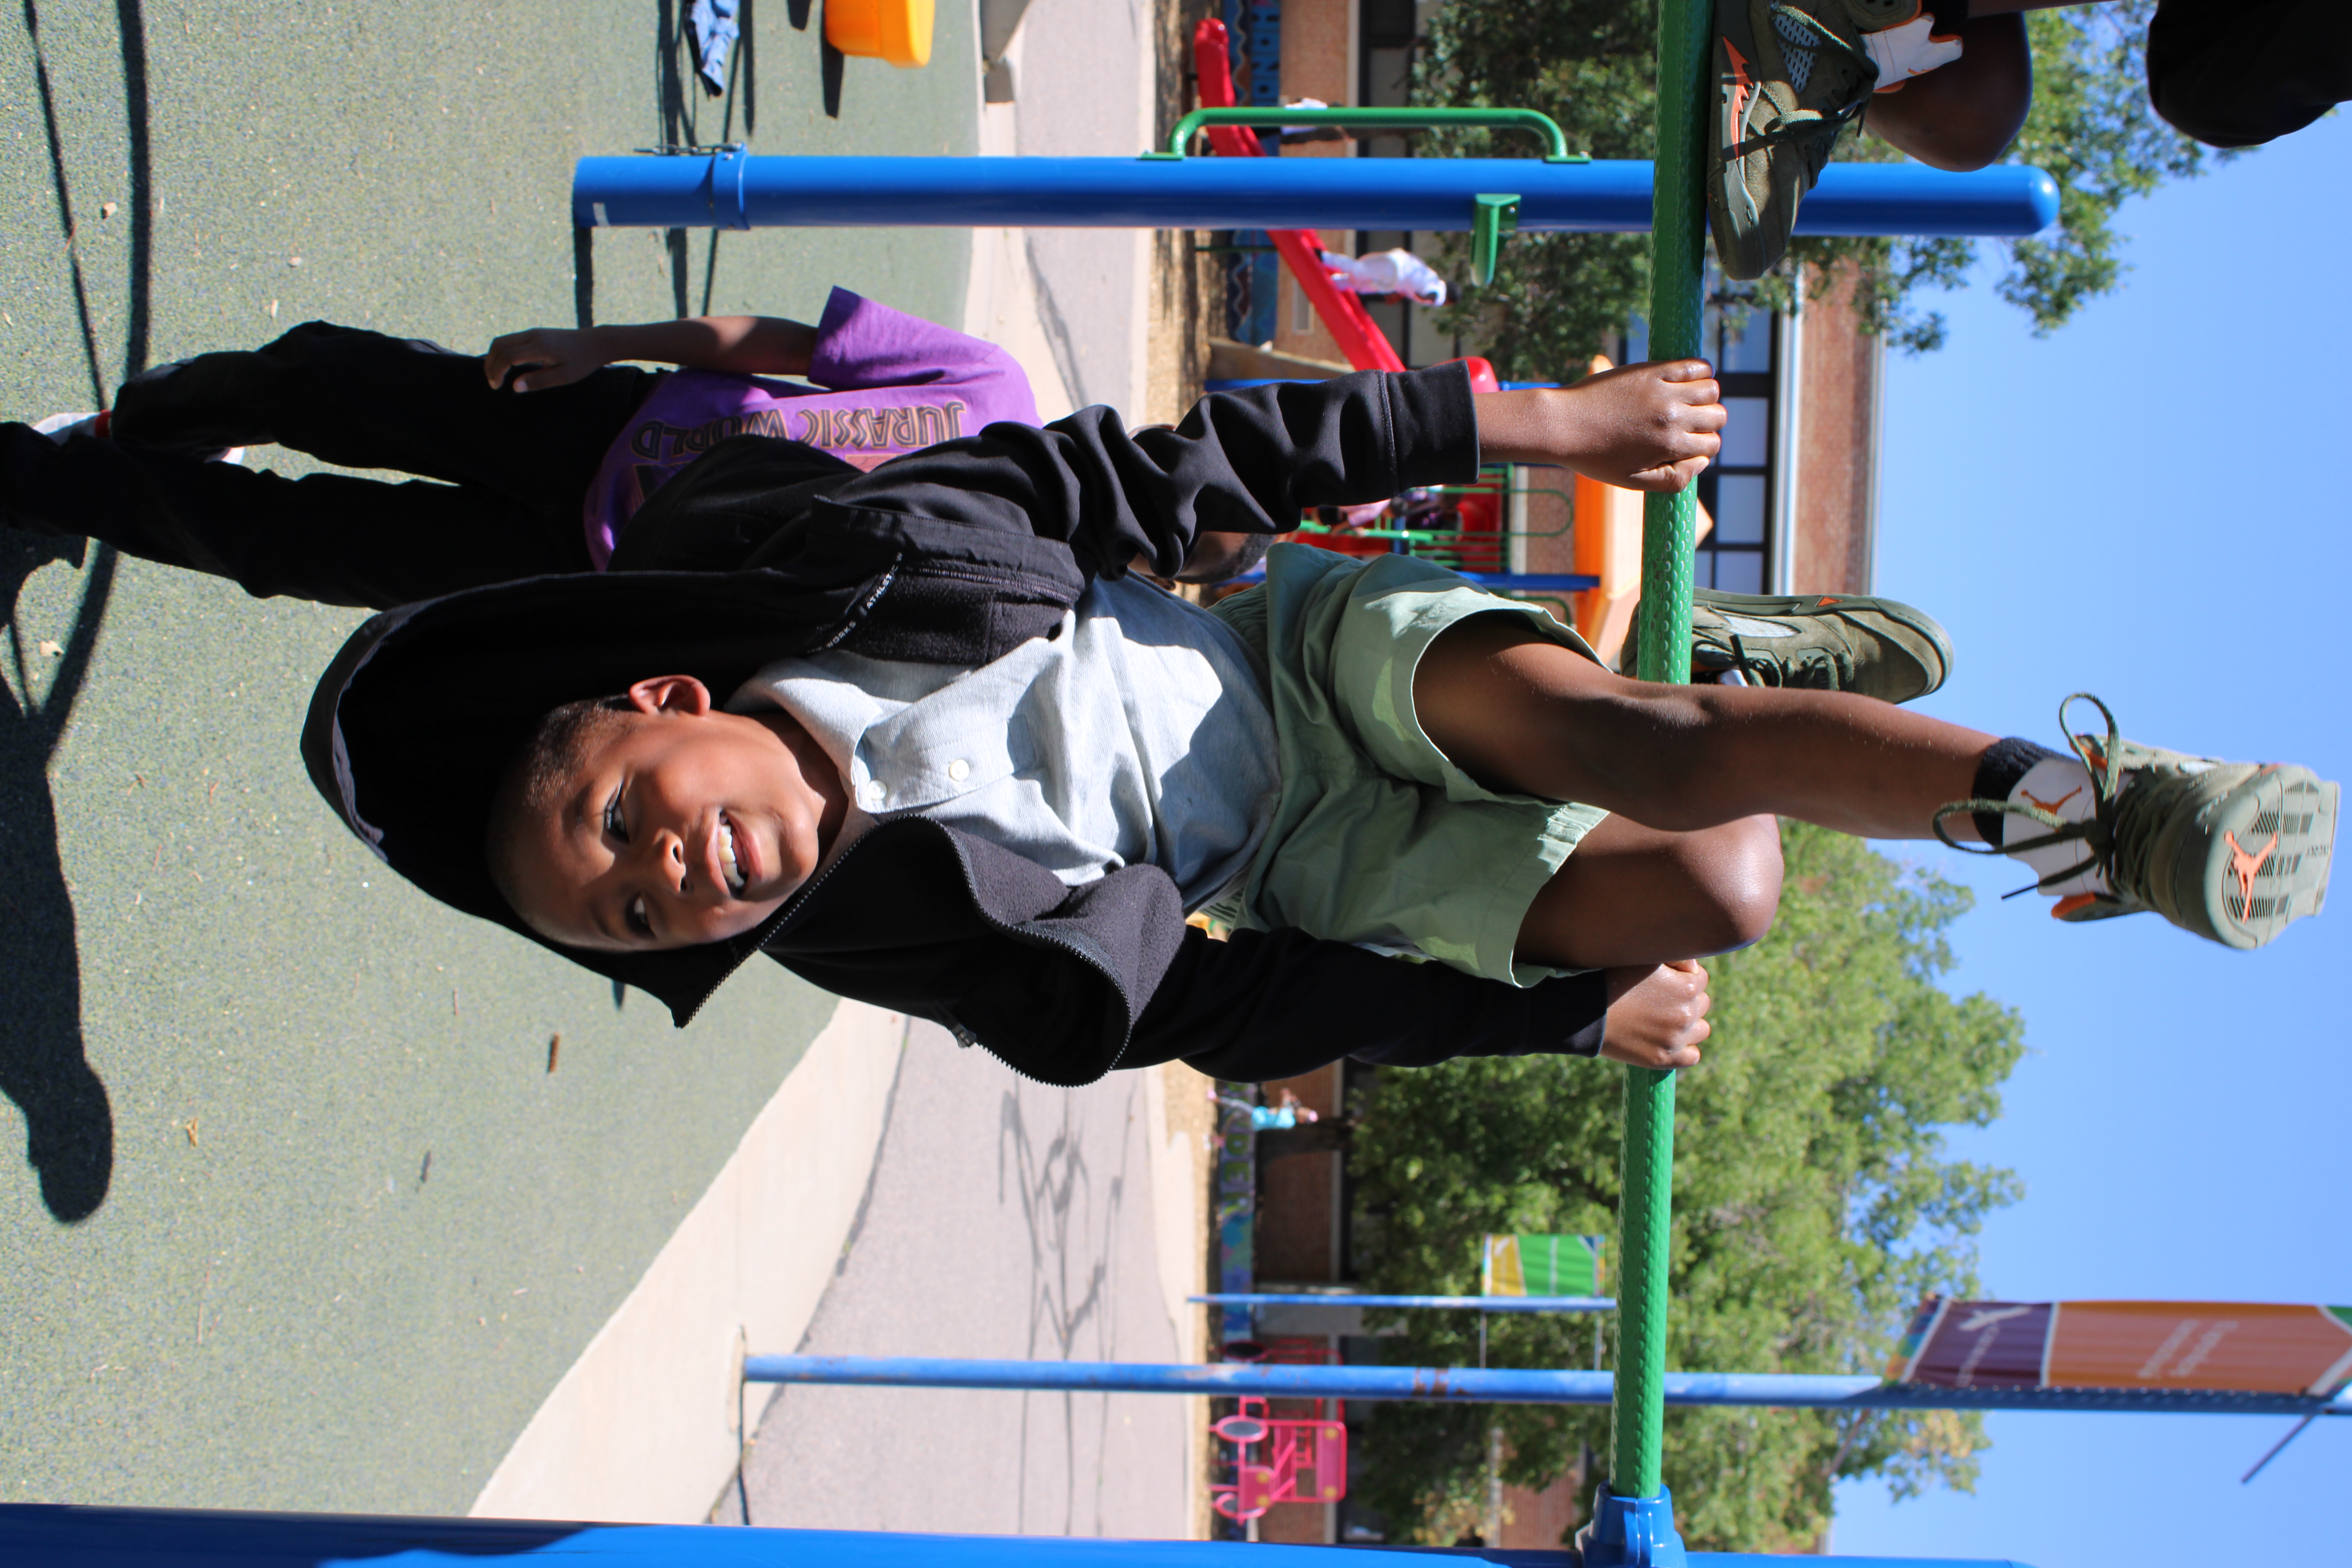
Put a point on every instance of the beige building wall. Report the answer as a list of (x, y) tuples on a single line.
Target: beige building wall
[(1837, 440)]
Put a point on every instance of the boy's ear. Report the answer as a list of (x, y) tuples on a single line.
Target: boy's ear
[(680, 694)]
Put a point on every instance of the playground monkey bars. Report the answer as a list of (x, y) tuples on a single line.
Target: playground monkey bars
[(1508, 1386), (729, 187)]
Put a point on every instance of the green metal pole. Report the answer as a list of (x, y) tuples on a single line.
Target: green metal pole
[(1645, 1219)]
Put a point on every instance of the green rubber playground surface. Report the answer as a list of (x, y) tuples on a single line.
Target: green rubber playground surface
[(293, 1212)]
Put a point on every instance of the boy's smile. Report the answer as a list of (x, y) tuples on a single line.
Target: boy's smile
[(690, 826)]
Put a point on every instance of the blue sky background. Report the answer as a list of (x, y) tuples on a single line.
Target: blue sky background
[(2151, 504)]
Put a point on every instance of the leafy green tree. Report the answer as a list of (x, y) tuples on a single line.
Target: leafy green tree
[(1558, 299), (1814, 1205)]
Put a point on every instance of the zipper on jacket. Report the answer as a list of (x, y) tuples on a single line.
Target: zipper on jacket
[(1042, 939)]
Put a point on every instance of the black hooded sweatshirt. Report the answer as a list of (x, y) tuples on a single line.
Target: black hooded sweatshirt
[(764, 549)]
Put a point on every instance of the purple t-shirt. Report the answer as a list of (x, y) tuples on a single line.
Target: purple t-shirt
[(886, 383)]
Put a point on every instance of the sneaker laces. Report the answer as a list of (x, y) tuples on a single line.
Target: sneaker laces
[(2121, 829), (1777, 669), (1825, 124)]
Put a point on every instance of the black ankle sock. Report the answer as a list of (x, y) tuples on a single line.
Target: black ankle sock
[(1998, 772)]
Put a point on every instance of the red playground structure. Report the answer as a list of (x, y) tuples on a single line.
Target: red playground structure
[(1359, 337), (1301, 1461)]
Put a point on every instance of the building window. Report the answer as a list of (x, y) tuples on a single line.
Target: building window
[(1736, 488)]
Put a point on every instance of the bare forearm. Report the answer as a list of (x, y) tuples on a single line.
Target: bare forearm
[(1519, 426), (747, 345)]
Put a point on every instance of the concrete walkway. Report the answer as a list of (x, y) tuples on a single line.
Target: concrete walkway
[(1004, 1218), (301, 1205)]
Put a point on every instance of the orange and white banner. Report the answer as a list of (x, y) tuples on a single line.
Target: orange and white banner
[(2228, 1346)]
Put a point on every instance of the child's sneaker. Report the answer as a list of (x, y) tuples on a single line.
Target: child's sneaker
[(1816, 642), (64, 428), (1789, 74), (2231, 851)]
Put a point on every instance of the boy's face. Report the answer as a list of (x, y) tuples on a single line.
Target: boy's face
[(689, 825)]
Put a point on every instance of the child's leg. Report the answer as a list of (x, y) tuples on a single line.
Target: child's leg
[(363, 400), (2231, 851), (1633, 895), (1521, 713), (1963, 115), (332, 538), (516, 469)]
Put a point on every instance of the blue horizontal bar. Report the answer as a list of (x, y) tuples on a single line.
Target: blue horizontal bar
[(731, 190), (1470, 1303), (1500, 1385), (1501, 582), (36, 1535), (1533, 581)]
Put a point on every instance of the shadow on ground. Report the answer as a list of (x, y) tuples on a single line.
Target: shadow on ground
[(69, 1125)]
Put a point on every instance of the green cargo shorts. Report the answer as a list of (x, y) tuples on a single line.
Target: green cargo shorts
[(1377, 839)]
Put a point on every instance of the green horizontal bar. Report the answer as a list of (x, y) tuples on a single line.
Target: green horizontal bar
[(1542, 124)]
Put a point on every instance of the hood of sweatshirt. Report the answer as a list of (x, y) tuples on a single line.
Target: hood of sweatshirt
[(413, 724)]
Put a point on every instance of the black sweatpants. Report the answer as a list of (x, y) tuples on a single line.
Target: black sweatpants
[(2238, 73), (503, 476)]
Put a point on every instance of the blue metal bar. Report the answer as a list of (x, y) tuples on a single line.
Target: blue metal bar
[(1501, 582), (1499, 1386), (1532, 582), (1469, 1303), (732, 190), (35, 1535)]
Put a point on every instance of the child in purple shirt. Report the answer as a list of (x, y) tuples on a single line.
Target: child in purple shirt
[(531, 459)]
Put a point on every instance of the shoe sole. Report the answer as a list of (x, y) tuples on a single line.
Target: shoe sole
[(2256, 861), (58, 425), (1741, 252)]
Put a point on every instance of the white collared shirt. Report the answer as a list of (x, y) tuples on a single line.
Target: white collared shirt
[(1139, 734)]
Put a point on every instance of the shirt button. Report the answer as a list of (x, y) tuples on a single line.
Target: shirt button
[(876, 792), (959, 770)]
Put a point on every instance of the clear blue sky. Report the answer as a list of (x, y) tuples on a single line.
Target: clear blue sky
[(2150, 504)]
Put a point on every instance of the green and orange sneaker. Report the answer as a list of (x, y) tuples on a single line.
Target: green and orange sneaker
[(1815, 642), (2234, 852), (1789, 75)]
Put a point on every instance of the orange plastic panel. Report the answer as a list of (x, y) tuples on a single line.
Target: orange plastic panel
[(899, 31)]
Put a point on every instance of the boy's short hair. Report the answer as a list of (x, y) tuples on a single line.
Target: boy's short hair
[(528, 789)]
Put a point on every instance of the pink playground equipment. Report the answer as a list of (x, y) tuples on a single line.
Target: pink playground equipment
[(1301, 1461)]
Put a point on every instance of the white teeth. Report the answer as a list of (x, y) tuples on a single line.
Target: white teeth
[(727, 858)]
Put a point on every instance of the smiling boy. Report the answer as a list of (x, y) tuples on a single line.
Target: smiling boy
[(611, 838), (939, 751)]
